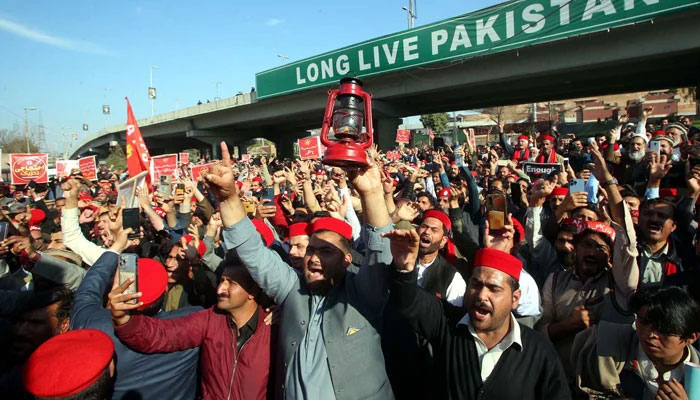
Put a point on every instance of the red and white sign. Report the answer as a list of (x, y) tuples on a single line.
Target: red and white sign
[(184, 157), (245, 157), (88, 168), (28, 167), (310, 148), (199, 170), (64, 167), (137, 156), (163, 165), (403, 136)]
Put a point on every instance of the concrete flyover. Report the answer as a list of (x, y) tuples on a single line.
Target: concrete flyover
[(661, 52)]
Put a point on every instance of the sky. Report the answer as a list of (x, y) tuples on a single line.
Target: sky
[(61, 56)]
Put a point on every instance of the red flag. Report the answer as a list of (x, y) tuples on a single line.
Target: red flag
[(431, 134), (137, 157)]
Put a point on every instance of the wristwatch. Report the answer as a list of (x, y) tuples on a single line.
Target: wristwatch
[(612, 181)]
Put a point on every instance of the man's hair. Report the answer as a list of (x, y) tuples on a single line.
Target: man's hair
[(345, 244), (57, 294), (589, 206), (657, 202), (101, 389), (513, 283), (670, 310), (60, 198), (427, 195), (321, 214)]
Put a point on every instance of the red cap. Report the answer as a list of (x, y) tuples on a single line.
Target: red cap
[(67, 363), (38, 217), (441, 216), (264, 231), (152, 281), (320, 173), (444, 192), (453, 162), (342, 228), (257, 179), (105, 191), (547, 137), (560, 191), (523, 137), (299, 229), (499, 260), (161, 213), (668, 193), (85, 197), (239, 184), (597, 227), (660, 132), (202, 247)]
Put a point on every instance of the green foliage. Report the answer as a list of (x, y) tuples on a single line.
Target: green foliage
[(13, 141), (436, 122), (116, 158)]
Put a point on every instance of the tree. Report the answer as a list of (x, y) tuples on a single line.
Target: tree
[(435, 122), (13, 141), (116, 158)]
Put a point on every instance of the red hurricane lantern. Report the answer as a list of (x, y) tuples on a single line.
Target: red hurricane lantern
[(348, 109)]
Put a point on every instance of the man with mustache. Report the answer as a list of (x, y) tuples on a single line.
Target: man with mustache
[(658, 257), (328, 345), (233, 338), (485, 353)]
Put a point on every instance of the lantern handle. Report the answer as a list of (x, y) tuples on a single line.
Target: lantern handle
[(328, 116)]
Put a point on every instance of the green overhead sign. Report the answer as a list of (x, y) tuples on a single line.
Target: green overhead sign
[(501, 27)]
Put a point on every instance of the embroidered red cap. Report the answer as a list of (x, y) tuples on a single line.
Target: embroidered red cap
[(299, 229), (597, 227), (202, 247), (444, 192), (547, 137), (523, 137), (264, 231), (499, 260), (257, 179), (439, 215), (67, 363), (38, 217), (560, 191), (152, 281), (340, 227)]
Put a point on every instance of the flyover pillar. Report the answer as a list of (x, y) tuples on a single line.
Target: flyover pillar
[(385, 132)]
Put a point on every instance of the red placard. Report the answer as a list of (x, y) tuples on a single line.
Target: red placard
[(184, 157), (403, 136), (163, 165), (88, 168), (310, 148), (26, 167), (199, 170)]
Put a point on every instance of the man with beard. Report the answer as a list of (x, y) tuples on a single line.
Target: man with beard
[(547, 153), (298, 240), (592, 291), (485, 353), (657, 253), (328, 342), (239, 372)]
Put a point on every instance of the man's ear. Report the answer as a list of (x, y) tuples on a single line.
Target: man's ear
[(443, 241), (347, 259), (516, 299)]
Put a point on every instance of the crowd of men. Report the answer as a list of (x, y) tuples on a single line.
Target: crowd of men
[(278, 278)]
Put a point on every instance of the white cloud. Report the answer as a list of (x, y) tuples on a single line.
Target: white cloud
[(273, 21), (56, 41)]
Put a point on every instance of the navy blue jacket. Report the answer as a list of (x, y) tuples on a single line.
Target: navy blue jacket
[(138, 376)]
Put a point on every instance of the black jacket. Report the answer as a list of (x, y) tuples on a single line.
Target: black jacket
[(530, 372)]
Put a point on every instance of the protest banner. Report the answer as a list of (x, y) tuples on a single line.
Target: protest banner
[(198, 170), (25, 167), (310, 148), (535, 169), (64, 167), (403, 136), (184, 157), (128, 190), (164, 165), (88, 168), (245, 157)]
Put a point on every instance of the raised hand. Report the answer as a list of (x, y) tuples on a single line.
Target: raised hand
[(404, 248), (118, 301), (408, 211), (220, 180), (502, 239)]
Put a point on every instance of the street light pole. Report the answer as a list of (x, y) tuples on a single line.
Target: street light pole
[(26, 126), (217, 90), (283, 57), (103, 104), (152, 100), (411, 13)]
